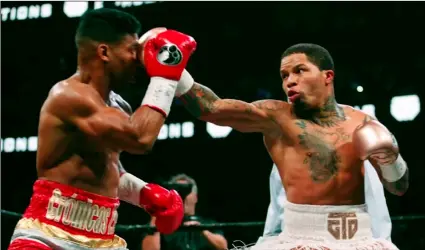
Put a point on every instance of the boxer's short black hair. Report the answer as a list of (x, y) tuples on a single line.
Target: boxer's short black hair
[(315, 54), (106, 25)]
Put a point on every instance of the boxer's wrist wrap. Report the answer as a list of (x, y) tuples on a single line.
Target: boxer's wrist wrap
[(129, 188), (394, 171), (185, 83), (160, 94)]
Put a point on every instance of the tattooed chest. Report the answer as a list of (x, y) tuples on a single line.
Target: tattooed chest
[(321, 147)]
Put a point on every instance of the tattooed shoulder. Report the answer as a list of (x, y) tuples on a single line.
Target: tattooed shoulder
[(368, 118), (348, 109), (358, 114)]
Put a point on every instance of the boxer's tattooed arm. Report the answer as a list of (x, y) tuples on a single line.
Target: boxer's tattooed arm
[(398, 187), (258, 116), (199, 100), (267, 105), (321, 155), (369, 118)]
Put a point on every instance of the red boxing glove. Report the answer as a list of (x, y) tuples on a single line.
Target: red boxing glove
[(166, 55), (166, 206)]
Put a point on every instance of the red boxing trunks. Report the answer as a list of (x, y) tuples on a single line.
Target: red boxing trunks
[(65, 217)]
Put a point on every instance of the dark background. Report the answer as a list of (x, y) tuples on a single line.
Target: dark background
[(379, 45)]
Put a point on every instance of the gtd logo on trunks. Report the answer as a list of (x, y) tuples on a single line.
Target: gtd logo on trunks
[(80, 214), (342, 226)]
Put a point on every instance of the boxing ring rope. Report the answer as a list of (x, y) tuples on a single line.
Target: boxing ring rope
[(207, 226)]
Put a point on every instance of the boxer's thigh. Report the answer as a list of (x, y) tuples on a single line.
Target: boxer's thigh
[(30, 244)]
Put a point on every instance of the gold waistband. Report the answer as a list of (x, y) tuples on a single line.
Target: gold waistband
[(58, 233)]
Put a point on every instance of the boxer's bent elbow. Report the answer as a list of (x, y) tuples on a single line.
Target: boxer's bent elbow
[(141, 149), (146, 145), (119, 133), (141, 145), (124, 139)]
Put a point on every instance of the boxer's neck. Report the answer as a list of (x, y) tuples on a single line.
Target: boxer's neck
[(328, 115), (96, 78)]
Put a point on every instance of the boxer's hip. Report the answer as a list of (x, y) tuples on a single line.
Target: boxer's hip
[(325, 227), (327, 222), (65, 217)]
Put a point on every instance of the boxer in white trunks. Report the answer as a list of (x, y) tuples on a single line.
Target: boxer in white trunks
[(319, 147), (375, 201)]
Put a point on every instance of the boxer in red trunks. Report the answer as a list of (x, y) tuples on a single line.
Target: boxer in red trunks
[(84, 126)]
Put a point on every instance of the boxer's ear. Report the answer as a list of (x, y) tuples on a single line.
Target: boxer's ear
[(103, 51), (329, 76)]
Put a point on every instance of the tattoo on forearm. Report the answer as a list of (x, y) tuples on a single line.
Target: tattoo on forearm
[(398, 187), (265, 105), (199, 100), (268, 105)]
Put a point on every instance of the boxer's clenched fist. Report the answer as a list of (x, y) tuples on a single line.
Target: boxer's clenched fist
[(373, 140), (165, 205), (167, 53)]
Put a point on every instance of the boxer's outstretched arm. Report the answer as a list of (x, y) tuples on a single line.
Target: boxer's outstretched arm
[(83, 107), (204, 104)]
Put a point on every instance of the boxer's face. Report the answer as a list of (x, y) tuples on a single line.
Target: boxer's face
[(121, 60), (303, 82)]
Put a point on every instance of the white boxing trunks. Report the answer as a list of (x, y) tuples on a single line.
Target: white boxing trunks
[(313, 227)]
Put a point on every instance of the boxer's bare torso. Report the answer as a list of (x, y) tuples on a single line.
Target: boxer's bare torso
[(310, 136), (317, 162), (65, 153), (315, 156)]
